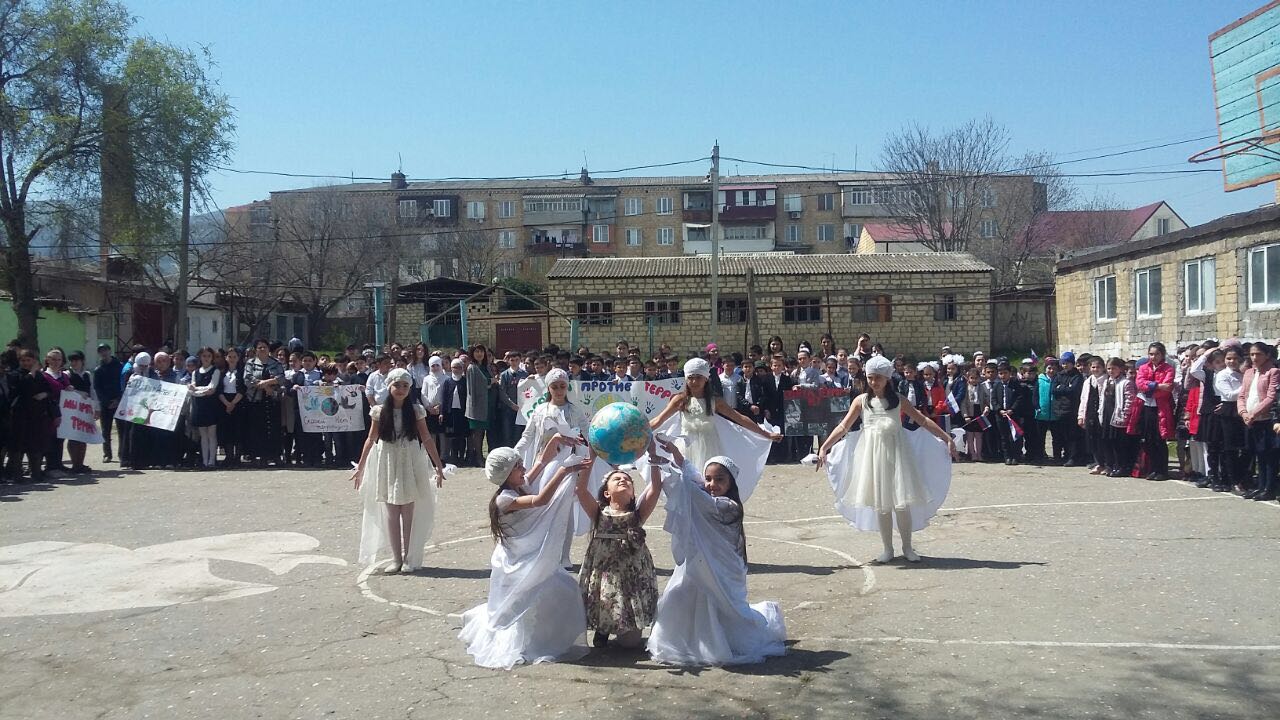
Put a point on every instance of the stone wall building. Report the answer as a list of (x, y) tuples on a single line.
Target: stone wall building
[(912, 303), (1220, 279)]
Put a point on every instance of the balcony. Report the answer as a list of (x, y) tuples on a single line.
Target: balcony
[(563, 249), (696, 215), (748, 213)]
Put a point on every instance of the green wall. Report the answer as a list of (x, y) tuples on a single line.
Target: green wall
[(56, 327)]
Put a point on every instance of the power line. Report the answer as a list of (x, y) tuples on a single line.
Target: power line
[(460, 178)]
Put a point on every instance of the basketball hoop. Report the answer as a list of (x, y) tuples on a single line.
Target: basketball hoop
[(1255, 146)]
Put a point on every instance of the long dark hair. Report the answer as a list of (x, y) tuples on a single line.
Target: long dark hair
[(890, 395), (733, 494), (602, 500), (496, 527), (714, 389), (387, 422)]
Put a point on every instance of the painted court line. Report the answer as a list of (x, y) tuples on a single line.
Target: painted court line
[(1198, 647)]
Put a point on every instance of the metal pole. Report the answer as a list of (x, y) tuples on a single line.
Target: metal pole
[(462, 313), (379, 322), (715, 240), (180, 339)]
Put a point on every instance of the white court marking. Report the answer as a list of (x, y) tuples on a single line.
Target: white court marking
[(59, 578), (362, 581), (869, 584)]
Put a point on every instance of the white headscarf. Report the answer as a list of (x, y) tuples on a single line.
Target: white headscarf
[(724, 461), (399, 375), (499, 464), (556, 375), (697, 366), (879, 365)]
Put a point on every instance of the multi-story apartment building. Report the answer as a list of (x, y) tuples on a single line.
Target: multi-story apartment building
[(487, 228)]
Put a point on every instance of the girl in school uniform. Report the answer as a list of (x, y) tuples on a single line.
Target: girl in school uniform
[(1114, 409), (205, 384), (231, 390)]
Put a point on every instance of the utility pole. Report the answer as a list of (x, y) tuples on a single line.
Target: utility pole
[(184, 248), (715, 240), (379, 321)]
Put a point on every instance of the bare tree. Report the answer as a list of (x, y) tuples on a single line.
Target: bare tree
[(941, 177), (471, 255), (239, 259), (331, 246), (1016, 240)]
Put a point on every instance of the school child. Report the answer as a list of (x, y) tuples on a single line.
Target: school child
[(204, 387), (703, 617), (935, 393), (1067, 434), (886, 474), (31, 419), (1118, 446), (1088, 415), (1153, 417), (81, 381), (308, 446), (1257, 397), (231, 393), (56, 373), (330, 442), (1226, 432), (394, 479), (534, 612), (619, 584), (1045, 417), (973, 403)]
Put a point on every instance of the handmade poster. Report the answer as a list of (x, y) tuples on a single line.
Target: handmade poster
[(149, 402), (595, 394), (652, 396), (814, 410), (77, 421), (330, 408), (530, 392)]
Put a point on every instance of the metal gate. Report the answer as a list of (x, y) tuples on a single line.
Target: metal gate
[(519, 336)]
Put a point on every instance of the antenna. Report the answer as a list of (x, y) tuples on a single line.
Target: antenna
[(855, 157), (585, 164), (400, 163)]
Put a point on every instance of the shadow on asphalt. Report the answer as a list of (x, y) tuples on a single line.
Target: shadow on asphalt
[(959, 563), (815, 570), (14, 492)]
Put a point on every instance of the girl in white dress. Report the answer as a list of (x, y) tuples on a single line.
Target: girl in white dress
[(896, 476), (534, 612), (394, 479), (556, 413), (709, 427), (703, 616)]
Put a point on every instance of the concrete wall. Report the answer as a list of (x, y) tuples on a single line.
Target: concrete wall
[(1128, 336), (55, 328)]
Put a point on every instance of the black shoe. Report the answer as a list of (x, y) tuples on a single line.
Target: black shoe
[(1013, 461), (1251, 494), (1069, 463), (1204, 483), (1264, 497), (599, 639)]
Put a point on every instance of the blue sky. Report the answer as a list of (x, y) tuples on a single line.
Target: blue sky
[(496, 89)]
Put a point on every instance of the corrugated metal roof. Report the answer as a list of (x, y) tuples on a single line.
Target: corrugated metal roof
[(766, 264)]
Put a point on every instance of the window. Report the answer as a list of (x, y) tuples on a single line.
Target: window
[(792, 203), (506, 239), (852, 233), (827, 201), (595, 313), (506, 209), (635, 236), (957, 199), (801, 309), (1201, 294), (872, 308), (442, 208), (987, 228), (633, 206), (1162, 226), (746, 232), (663, 312), (1264, 277), (1146, 284), (475, 210), (988, 198), (600, 233), (748, 198), (795, 233), (1104, 298), (732, 311), (944, 307), (859, 195), (664, 206), (408, 208), (553, 204), (826, 232), (505, 269), (693, 233), (666, 236), (697, 201)]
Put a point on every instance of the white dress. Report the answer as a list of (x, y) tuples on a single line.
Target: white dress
[(397, 473), (545, 421), (534, 612), (702, 437), (885, 467), (701, 441), (703, 616)]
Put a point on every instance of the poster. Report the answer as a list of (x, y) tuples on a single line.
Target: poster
[(653, 396), (595, 394), (149, 402), (814, 410), (77, 421), (529, 393), (331, 408)]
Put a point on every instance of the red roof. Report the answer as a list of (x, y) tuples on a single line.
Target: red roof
[(892, 232), (1081, 229)]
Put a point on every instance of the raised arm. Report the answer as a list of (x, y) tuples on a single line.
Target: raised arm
[(722, 408), (671, 409), (649, 500), (548, 490)]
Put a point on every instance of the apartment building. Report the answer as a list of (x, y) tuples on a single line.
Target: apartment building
[(521, 227)]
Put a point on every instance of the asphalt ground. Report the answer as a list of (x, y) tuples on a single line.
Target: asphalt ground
[(1044, 592)]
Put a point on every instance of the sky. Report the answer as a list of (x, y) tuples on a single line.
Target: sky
[(487, 89)]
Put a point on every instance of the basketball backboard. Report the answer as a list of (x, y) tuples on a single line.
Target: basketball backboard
[(1245, 59)]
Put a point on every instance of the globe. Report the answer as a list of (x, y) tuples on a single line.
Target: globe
[(619, 433)]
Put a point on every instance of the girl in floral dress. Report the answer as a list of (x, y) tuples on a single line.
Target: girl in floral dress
[(618, 582)]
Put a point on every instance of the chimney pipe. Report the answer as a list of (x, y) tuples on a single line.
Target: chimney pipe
[(398, 181)]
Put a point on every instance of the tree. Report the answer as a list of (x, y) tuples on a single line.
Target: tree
[(471, 255), (55, 57), (331, 246), (1016, 236), (940, 181)]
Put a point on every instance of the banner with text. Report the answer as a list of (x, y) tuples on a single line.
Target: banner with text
[(530, 391), (149, 402), (814, 410), (330, 408), (651, 396), (77, 421)]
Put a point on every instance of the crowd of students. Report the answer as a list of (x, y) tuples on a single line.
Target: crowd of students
[(1115, 416)]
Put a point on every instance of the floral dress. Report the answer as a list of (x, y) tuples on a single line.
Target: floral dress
[(618, 582)]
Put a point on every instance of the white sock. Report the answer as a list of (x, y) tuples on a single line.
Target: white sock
[(886, 537), (904, 531)]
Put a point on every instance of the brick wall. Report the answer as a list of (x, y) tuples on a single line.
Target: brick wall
[(1127, 335), (911, 329)]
